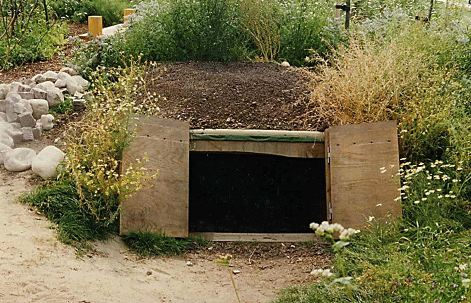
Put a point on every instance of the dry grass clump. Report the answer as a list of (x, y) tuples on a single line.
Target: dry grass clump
[(405, 79)]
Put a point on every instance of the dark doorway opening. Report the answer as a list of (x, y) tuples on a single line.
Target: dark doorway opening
[(255, 193)]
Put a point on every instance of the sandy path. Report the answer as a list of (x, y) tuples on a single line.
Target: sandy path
[(36, 267)]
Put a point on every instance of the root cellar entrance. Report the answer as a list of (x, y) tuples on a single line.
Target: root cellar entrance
[(260, 185), (250, 193)]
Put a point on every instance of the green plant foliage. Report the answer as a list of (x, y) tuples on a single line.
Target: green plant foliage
[(106, 52), (60, 203), (84, 201), (31, 37), (228, 30), (151, 244), (65, 107), (185, 30), (78, 11), (307, 29)]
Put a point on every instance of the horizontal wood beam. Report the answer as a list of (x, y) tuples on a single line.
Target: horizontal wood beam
[(286, 149), (256, 237), (316, 136)]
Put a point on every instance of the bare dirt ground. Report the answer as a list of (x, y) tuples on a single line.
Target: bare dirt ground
[(36, 267)]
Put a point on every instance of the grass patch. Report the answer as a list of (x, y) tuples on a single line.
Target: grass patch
[(60, 203), (150, 244), (65, 107)]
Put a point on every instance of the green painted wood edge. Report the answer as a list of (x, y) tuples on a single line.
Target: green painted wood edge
[(255, 138)]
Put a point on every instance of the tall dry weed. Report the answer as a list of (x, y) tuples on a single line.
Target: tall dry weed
[(405, 79), (261, 20)]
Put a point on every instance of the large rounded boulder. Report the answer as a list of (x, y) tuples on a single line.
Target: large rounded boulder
[(18, 159), (46, 162)]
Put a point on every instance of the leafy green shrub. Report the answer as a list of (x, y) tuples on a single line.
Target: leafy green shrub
[(185, 30), (104, 52), (229, 30), (32, 37), (78, 11), (307, 29)]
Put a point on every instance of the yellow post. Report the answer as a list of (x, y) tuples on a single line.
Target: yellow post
[(127, 12), (95, 26)]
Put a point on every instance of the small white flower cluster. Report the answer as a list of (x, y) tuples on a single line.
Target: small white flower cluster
[(327, 228), (322, 273)]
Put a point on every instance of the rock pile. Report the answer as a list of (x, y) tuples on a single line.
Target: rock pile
[(24, 115)]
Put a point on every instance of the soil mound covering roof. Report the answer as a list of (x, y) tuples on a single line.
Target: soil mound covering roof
[(240, 95)]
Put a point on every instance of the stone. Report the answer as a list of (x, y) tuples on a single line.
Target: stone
[(15, 134), (23, 106), (81, 81), (27, 133), (27, 81), (79, 104), (13, 97), (26, 95), (4, 90), (14, 86), (64, 76), (285, 64), (39, 93), (40, 107), (27, 120), (46, 162), (60, 83), (73, 87), (46, 85), (37, 133), (19, 159), (24, 88), (53, 95), (12, 117), (3, 150), (3, 105), (46, 122), (3, 117), (39, 78), (50, 76), (69, 71), (6, 139), (15, 125)]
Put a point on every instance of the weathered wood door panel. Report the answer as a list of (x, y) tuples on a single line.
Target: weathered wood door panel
[(162, 205), (356, 186)]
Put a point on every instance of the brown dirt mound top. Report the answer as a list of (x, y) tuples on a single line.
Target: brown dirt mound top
[(233, 95)]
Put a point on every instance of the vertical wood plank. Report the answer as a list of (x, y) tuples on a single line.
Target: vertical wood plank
[(327, 177), (162, 205), (358, 188)]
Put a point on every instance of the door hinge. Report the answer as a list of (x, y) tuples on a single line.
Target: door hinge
[(330, 212), (328, 155)]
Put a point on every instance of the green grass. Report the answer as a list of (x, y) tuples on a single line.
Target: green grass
[(150, 244), (65, 107), (60, 203)]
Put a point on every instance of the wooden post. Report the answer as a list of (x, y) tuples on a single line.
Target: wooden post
[(95, 26), (127, 12), (347, 15), (337, 10)]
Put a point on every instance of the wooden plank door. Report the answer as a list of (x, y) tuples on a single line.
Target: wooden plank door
[(162, 205), (357, 188)]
